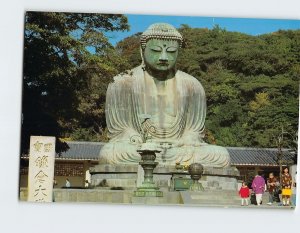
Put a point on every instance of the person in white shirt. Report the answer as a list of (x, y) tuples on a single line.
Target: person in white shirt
[(68, 184)]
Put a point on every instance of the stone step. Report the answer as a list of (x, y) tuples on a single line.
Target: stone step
[(206, 198), (214, 197)]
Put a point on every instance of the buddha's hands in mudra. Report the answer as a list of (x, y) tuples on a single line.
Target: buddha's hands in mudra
[(190, 139)]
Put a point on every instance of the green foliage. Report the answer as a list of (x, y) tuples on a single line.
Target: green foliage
[(68, 63), (129, 48), (251, 82)]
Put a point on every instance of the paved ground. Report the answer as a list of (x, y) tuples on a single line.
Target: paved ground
[(264, 206), (273, 206)]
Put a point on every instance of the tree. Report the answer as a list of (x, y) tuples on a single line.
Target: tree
[(59, 48), (129, 48), (251, 82)]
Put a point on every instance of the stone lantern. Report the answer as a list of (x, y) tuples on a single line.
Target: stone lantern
[(148, 187)]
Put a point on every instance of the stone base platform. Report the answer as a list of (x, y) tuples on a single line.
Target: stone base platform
[(218, 198), (131, 176), (210, 197)]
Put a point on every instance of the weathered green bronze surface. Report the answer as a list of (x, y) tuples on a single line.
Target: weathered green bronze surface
[(158, 96), (181, 184), (196, 171), (148, 188)]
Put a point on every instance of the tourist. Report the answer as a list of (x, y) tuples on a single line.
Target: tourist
[(244, 193), (271, 186), (286, 184), (277, 192), (68, 184), (103, 183), (258, 187), (54, 184), (87, 184), (294, 189)]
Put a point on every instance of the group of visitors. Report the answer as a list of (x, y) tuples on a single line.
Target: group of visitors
[(274, 188)]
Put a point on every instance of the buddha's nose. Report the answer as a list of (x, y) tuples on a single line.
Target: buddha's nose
[(163, 56)]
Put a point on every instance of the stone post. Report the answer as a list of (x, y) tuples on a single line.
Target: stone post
[(41, 169)]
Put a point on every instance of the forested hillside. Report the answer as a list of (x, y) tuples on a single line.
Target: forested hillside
[(251, 82)]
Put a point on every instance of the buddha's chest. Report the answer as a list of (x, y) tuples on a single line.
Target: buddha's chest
[(164, 98)]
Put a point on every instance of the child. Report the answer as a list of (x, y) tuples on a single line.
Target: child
[(271, 184), (244, 193)]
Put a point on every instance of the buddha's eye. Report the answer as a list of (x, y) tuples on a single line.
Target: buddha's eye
[(156, 49), (172, 49)]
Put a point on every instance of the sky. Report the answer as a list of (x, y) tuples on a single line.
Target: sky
[(252, 26)]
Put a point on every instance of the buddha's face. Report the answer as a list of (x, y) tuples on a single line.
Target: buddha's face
[(161, 55)]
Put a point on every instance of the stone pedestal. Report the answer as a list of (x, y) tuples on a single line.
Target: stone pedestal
[(126, 176)]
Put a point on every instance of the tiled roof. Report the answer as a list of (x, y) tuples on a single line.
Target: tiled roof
[(258, 156), (82, 150), (239, 155), (79, 150)]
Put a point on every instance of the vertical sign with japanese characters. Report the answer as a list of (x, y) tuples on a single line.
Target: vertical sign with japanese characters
[(41, 169)]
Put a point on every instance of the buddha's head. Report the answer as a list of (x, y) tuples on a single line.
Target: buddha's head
[(160, 44)]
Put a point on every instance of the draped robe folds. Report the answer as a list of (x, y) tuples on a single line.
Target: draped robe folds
[(175, 126)]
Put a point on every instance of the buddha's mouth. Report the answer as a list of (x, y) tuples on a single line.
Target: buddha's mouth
[(163, 64)]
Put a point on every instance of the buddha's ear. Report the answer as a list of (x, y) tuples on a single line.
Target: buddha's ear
[(183, 43), (142, 56)]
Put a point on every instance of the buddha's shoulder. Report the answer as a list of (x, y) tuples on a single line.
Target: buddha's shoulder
[(187, 77), (128, 76)]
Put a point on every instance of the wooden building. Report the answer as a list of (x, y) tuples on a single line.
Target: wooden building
[(75, 162), (72, 164), (251, 160)]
